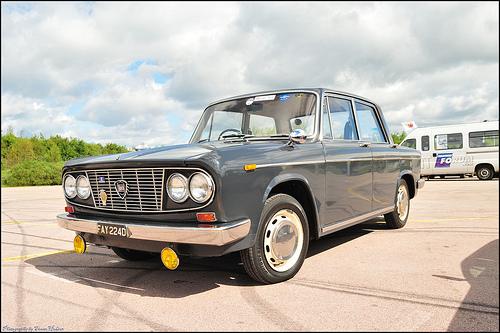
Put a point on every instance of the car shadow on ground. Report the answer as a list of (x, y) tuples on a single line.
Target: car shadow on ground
[(101, 268), (478, 311)]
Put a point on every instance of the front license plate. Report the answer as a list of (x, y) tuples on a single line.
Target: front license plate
[(112, 229)]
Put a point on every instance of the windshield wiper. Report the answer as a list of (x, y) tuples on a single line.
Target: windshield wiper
[(280, 135), (237, 135)]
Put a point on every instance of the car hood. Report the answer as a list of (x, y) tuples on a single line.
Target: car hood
[(217, 155), (177, 154)]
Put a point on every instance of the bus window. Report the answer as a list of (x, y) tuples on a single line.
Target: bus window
[(448, 141), (412, 143), (483, 139), (425, 143)]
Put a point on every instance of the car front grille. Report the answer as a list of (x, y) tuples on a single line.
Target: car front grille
[(144, 189)]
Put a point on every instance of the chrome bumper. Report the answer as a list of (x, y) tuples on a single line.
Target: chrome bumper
[(420, 183), (218, 235)]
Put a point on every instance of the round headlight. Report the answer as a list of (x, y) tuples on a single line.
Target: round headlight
[(69, 186), (177, 187), (82, 187), (200, 187)]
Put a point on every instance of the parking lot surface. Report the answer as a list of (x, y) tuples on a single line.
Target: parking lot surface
[(439, 273)]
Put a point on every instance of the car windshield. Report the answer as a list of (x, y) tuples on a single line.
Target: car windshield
[(259, 116)]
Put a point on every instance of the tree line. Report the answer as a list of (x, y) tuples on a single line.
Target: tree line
[(39, 160)]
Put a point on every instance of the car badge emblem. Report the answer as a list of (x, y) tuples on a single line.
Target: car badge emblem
[(121, 187), (103, 196)]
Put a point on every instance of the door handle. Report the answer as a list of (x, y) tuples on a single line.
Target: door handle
[(364, 144)]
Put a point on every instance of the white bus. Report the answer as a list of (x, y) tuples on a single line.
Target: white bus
[(458, 150)]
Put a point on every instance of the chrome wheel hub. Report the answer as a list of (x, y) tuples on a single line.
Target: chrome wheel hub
[(403, 202), (283, 240), (485, 173)]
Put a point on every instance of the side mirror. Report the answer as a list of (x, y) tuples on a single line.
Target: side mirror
[(297, 136)]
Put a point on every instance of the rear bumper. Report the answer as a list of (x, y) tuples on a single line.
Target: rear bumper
[(219, 235)]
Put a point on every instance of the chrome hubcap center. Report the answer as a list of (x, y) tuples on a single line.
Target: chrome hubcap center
[(402, 203), (283, 240)]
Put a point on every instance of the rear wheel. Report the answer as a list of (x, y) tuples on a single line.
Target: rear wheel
[(131, 255), (484, 172), (282, 241), (397, 218)]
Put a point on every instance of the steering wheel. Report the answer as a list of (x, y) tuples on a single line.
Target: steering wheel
[(228, 130)]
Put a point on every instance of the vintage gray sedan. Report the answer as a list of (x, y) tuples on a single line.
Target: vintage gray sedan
[(263, 174)]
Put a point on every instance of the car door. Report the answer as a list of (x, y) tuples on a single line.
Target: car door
[(386, 159), (426, 154), (348, 168)]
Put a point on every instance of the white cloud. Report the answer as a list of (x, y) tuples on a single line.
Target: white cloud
[(66, 66)]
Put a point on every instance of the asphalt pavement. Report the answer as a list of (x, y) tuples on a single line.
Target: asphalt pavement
[(439, 273)]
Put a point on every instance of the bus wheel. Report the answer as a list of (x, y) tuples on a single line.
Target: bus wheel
[(484, 172)]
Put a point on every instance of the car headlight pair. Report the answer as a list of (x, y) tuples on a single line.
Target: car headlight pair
[(198, 187), (79, 187)]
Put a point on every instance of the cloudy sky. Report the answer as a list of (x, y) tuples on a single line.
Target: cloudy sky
[(133, 72)]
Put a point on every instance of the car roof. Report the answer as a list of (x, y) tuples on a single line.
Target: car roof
[(318, 91)]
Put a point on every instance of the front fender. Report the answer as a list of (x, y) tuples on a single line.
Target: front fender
[(413, 180)]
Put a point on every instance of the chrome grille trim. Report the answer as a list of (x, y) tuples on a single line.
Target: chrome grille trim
[(147, 196), (145, 189)]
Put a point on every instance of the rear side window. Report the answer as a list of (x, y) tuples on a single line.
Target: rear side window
[(483, 139), (425, 143), (448, 141), (342, 125), (368, 124)]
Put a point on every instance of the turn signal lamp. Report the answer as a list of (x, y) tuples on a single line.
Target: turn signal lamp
[(206, 217), (79, 244), (69, 209), (250, 167), (169, 258)]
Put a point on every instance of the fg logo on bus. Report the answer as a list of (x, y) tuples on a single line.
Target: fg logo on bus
[(444, 160)]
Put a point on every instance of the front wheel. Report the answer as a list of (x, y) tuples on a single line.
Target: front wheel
[(282, 241), (397, 218)]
